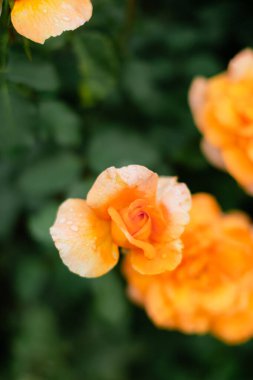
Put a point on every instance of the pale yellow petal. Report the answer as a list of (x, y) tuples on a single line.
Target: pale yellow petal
[(197, 99), (83, 240), (241, 65), (40, 19), (213, 154), (176, 199)]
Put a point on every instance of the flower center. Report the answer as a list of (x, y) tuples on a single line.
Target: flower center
[(137, 219), (131, 227)]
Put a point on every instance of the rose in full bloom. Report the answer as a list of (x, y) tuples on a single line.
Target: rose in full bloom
[(211, 291), (222, 107), (131, 208), (40, 19)]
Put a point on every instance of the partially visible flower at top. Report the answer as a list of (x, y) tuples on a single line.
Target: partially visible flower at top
[(40, 19), (130, 208), (211, 291), (222, 107)]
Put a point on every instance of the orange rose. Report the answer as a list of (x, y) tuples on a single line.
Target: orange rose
[(212, 289), (130, 208), (223, 111), (41, 19)]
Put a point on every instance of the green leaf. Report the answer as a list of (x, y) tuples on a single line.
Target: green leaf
[(98, 66), (118, 148), (50, 175), (18, 117), (202, 64), (39, 75), (181, 38), (30, 278), (10, 203), (81, 188), (110, 300), (62, 123), (37, 349), (40, 222)]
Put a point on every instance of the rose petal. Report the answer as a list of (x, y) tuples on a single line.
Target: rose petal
[(197, 97), (138, 284), (167, 257), (176, 199), (117, 188), (235, 328), (84, 240), (146, 248), (148, 258), (213, 154), (241, 65), (206, 202), (234, 256), (41, 19), (220, 299), (218, 135), (240, 166), (158, 307)]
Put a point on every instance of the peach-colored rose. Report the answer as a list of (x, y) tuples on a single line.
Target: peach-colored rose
[(222, 108), (40, 19), (131, 208), (212, 289)]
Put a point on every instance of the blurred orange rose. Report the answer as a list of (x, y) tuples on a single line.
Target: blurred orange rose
[(212, 289), (41, 19), (222, 107), (130, 208)]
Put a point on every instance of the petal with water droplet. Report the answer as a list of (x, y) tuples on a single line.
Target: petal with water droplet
[(85, 245), (40, 19), (117, 188)]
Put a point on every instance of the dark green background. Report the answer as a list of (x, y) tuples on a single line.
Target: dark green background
[(113, 92)]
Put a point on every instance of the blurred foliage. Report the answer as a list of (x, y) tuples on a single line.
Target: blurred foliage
[(113, 92)]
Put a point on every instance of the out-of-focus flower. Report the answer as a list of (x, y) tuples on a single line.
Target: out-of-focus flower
[(41, 19), (212, 289), (130, 208), (222, 107)]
